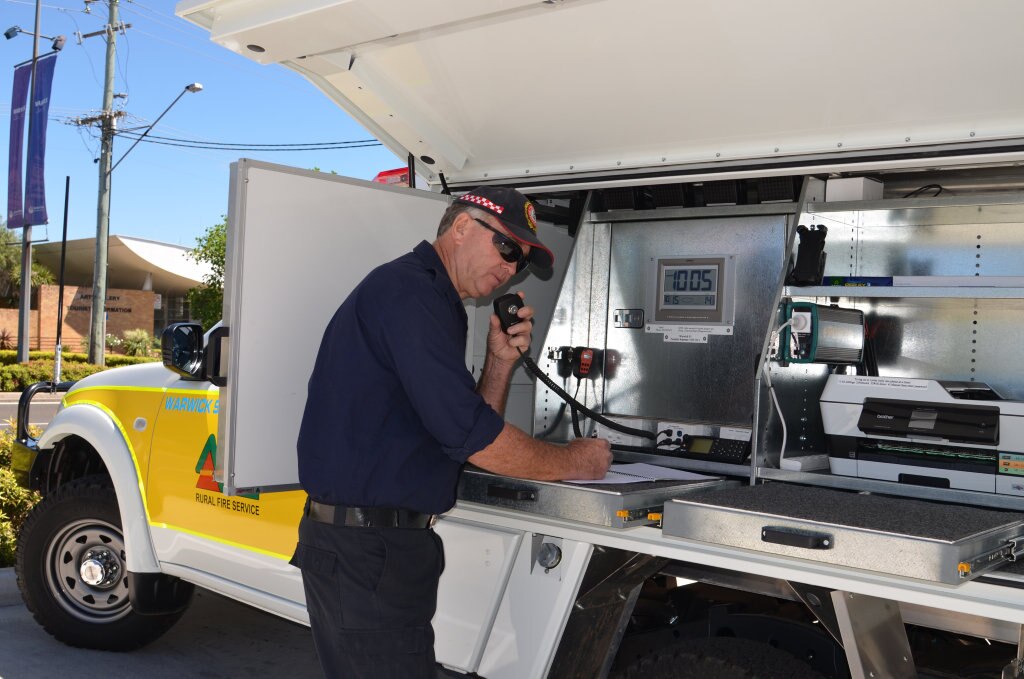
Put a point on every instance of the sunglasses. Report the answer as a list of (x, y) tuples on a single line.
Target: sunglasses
[(509, 250)]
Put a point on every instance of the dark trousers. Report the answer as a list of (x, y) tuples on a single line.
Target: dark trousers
[(371, 594)]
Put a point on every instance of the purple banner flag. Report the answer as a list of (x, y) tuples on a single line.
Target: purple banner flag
[(19, 97), (35, 185)]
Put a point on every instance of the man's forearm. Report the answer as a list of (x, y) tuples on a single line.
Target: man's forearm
[(494, 383), (514, 453)]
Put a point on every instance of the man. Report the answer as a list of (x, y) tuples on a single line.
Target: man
[(392, 414)]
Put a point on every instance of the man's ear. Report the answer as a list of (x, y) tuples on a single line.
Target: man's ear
[(460, 227)]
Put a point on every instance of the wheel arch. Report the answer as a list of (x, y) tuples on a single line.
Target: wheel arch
[(101, 430)]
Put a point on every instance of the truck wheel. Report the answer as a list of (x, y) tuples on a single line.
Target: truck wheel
[(717, 658), (72, 572)]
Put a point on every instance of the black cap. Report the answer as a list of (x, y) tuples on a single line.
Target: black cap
[(517, 214)]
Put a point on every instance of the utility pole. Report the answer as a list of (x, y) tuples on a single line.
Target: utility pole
[(98, 325), (107, 120), (25, 303)]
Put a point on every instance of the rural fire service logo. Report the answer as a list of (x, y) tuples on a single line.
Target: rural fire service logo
[(531, 217), (205, 466)]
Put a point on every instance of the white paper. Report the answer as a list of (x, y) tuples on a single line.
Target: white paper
[(640, 472)]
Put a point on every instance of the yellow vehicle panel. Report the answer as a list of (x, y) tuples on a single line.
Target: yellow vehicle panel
[(133, 410), (176, 458)]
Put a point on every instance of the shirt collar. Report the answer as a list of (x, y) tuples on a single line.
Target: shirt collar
[(432, 262)]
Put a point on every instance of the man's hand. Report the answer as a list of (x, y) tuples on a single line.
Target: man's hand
[(504, 347), (590, 458)]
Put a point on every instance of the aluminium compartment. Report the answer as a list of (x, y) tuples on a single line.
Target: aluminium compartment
[(912, 538), (616, 506)]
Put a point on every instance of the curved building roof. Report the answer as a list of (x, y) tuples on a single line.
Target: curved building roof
[(129, 262)]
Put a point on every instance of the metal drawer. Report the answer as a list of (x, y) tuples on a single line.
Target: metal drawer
[(616, 506), (900, 536)]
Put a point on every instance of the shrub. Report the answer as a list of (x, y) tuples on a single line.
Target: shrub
[(117, 360), (137, 343), (15, 501), (110, 343), (111, 360), (20, 375), (7, 340)]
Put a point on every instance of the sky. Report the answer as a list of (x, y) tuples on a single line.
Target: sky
[(162, 192)]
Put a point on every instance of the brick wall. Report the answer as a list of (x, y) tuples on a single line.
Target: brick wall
[(9, 322), (126, 310)]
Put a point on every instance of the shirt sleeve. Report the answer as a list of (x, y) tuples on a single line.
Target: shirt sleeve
[(418, 335)]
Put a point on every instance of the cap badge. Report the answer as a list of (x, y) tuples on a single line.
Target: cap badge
[(531, 217)]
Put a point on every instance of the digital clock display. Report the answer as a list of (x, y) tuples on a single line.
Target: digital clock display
[(691, 291), (689, 287)]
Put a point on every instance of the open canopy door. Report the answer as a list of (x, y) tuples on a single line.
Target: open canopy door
[(540, 91), (298, 242)]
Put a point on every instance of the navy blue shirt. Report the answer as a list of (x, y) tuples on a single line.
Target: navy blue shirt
[(392, 412)]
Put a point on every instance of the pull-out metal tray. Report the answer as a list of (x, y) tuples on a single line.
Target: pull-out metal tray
[(913, 538), (616, 506)]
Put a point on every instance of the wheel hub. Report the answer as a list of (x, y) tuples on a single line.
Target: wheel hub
[(100, 567), (86, 571)]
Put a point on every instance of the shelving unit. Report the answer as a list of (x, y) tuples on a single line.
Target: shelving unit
[(878, 291), (1014, 198), (954, 332)]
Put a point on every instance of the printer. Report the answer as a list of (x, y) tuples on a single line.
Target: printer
[(937, 433)]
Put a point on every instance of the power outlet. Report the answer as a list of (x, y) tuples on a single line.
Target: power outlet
[(674, 432), (801, 333), (801, 321)]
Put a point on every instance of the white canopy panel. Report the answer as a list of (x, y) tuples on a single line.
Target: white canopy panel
[(512, 88)]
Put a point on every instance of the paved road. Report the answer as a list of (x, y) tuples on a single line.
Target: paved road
[(44, 406), (216, 637)]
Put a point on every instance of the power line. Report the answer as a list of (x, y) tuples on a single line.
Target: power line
[(129, 133), (59, 9), (124, 73), (162, 21), (264, 74), (78, 31), (336, 147)]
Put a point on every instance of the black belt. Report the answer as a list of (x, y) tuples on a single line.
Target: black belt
[(368, 517)]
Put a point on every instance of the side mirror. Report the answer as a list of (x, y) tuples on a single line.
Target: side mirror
[(182, 349)]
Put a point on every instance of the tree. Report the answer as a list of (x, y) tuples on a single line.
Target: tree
[(207, 300), (10, 268)]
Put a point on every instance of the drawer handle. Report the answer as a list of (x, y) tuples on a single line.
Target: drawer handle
[(506, 493), (792, 537)]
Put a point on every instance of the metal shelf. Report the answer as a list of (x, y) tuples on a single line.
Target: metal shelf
[(829, 480), (970, 200), (903, 291), (695, 212)]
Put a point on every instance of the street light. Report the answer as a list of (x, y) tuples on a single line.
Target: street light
[(57, 45), (194, 87), (98, 322)]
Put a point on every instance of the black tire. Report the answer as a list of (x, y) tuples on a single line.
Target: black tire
[(72, 535), (718, 658)]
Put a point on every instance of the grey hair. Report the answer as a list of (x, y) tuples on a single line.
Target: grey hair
[(453, 211)]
